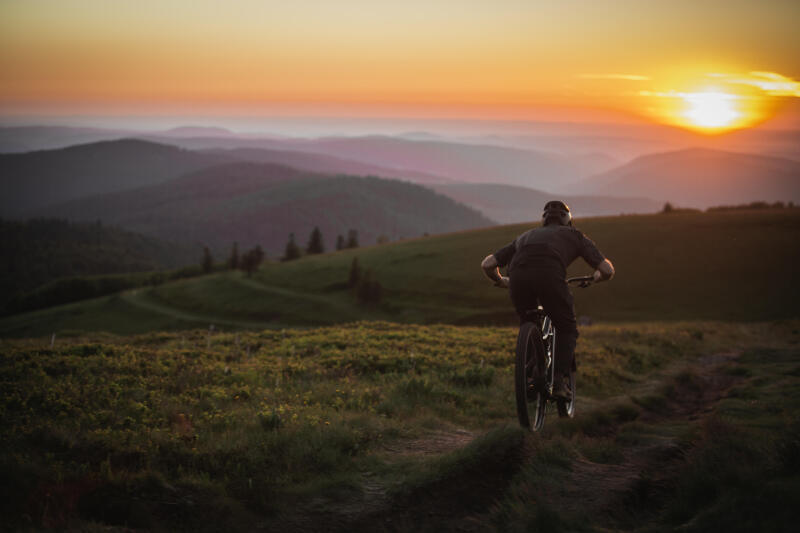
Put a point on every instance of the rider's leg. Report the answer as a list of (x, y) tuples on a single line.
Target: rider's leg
[(524, 294), (558, 304)]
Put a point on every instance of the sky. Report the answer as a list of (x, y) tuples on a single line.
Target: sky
[(704, 65)]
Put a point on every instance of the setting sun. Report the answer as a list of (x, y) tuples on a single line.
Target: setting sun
[(711, 109)]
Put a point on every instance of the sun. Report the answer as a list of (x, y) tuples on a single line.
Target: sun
[(711, 110)]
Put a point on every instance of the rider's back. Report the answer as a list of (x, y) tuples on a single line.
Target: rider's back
[(553, 245)]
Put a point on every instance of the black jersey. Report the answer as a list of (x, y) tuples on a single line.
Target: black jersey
[(549, 244)]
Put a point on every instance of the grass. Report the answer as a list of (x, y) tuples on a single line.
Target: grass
[(680, 266), (179, 431)]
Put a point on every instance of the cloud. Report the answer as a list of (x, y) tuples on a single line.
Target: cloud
[(629, 77), (772, 83), (686, 95)]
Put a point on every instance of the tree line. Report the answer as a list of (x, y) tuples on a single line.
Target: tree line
[(316, 245)]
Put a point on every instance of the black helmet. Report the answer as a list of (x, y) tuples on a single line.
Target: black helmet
[(558, 212)]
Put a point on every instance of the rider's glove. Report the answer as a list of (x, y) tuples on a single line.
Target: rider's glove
[(502, 282)]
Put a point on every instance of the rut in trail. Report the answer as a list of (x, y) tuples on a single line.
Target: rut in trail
[(620, 495), (616, 496)]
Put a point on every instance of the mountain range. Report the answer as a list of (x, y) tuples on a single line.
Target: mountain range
[(262, 204), (701, 178), (30, 181)]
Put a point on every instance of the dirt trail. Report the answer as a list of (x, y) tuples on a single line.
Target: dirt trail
[(431, 444), (615, 496)]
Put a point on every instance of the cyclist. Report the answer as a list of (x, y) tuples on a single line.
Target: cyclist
[(537, 264)]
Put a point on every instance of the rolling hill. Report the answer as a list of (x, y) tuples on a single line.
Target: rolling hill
[(700, 177), (38, 251), (677, 267), (509, 204), (262, 203), (33, 180), (325, 164), (456, 161)]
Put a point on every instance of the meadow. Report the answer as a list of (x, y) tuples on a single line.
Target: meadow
[(677, 266), (384, 427), (280, 402)]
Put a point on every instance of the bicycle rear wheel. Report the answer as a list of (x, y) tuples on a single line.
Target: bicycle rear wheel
[(529, 377), (567, 409)]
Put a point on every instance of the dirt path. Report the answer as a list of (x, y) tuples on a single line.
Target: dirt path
[(616, 496)]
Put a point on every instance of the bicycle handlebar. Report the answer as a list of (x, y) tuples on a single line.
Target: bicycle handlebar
[(583, 281)]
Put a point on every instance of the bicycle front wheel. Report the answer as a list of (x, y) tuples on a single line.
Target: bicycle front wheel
[(529, 377)]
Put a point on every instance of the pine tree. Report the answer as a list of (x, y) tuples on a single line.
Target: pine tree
[(292, 250), (339, 242), (252, 259), (315, 245), (208, 260), (233, 260), (355, 273), (352, 239)]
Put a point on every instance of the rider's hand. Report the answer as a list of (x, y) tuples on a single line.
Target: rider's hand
[(502, 282), (597, 276)]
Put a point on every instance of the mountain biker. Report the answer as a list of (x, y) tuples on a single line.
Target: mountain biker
[(537, 264)]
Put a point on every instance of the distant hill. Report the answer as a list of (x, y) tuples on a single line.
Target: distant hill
[(700, 177), (16, 139), (262, 203), (40, 250), (456, 161), (325, 164), (462, 162), (197, 131), (33, 180), (509, 204)]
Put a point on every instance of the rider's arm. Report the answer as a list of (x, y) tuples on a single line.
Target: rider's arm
[(492, 271), (489, 266), (604, 272)]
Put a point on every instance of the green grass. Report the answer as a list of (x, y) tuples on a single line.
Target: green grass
[(176, 431), (681, 266)]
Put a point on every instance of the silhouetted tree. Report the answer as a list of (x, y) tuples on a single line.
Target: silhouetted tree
[(352, 239), (208, 260), (292, 250), (252, 259), (355, 273), (233, 260), (339, 242), (315, 245), (382, 239), (667, 208)]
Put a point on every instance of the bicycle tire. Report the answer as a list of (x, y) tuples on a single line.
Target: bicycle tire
[(529, 377), (567, 409)]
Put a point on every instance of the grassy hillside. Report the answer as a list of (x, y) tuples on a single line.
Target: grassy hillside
[(682, 266), (38, 251), (386, 427)]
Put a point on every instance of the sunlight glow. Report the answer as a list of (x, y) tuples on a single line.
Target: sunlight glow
[(711, 109)]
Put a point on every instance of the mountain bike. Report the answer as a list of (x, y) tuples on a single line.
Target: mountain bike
[(534, 368)]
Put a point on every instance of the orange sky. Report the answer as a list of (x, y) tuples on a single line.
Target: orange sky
[(571, 60)]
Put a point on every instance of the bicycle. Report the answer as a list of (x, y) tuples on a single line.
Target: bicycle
[(534, 368)]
